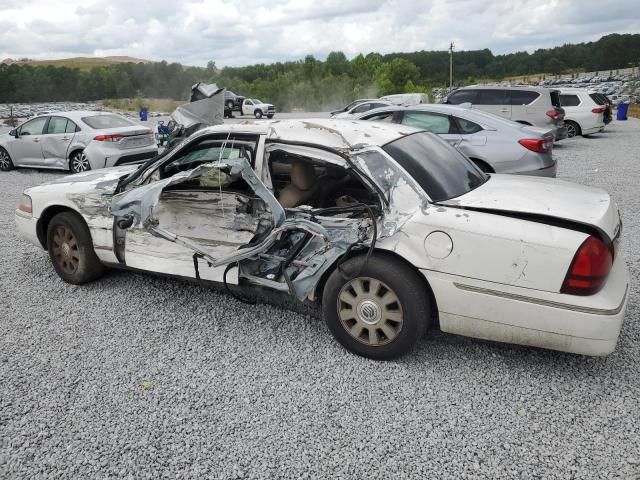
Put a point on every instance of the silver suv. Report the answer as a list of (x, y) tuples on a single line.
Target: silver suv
[(527, 105)]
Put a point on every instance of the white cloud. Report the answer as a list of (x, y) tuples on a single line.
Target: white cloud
[(254, 31)]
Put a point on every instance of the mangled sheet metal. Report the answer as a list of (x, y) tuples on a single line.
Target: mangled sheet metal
[(318, 241), (205, 107)]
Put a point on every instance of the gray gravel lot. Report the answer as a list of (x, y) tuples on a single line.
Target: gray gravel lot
[(136, 376)]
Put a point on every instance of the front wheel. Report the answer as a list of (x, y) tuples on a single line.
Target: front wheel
[(79, 162), (378, 309), (5, 161), (71, 249), (258, 114), (270, 116)]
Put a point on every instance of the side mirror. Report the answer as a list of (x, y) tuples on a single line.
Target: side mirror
[(14, 133)]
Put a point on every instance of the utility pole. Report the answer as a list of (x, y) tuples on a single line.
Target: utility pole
[(451, 67)]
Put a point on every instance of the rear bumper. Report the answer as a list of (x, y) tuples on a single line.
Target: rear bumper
[(103, 156), (550, 171), (583, 325)]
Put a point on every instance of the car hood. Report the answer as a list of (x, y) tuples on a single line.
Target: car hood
[(543, 198)]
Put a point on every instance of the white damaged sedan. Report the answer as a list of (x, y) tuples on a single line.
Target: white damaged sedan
[(389, 228)]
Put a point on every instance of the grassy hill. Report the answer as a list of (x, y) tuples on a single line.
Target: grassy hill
[(82, 63)]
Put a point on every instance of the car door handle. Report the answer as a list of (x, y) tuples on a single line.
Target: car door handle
[(505, 110), (36, 140), (65, 139)]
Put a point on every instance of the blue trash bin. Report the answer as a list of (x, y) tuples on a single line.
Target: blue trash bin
[(623, 109), (143, 115)]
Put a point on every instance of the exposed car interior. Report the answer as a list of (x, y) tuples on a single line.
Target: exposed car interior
[(299, 180)]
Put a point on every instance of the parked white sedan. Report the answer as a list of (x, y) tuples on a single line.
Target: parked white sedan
[(388, 227), (76, 141)]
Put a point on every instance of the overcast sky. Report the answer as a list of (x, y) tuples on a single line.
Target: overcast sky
[(242, 32)]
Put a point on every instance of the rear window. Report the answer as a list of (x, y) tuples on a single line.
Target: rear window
[(523, 97), (555, 98), (569, 100), (107, 121), (440, 169), (599, 98)]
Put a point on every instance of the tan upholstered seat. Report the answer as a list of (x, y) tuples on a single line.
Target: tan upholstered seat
[(302, 187)]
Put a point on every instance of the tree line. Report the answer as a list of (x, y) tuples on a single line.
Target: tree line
[(312, 84)]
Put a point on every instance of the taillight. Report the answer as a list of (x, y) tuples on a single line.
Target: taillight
[(109, 138), (589, 269), (597, 110), (555, 114), (536, 145)]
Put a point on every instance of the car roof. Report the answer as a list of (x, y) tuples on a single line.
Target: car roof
[(573, 90), (478, 116), (334, 133), (77, 114), (501, 87)]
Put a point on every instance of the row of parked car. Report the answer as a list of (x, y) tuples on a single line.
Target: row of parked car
[(501, 129)]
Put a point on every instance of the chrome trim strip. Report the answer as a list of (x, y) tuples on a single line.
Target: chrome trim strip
[(546, 303)]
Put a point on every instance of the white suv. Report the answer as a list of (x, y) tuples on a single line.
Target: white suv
[(585, 112)]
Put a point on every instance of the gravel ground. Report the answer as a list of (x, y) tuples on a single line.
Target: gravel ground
[(145, 377)]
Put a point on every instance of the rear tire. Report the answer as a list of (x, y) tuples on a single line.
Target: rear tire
[(378, 310), (573, 129), (71, 249), (5, 161), (79, 162)]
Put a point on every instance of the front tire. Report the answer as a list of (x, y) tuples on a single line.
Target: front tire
[(79, 162), (5, 161), (258, 114), (71, 249), (573, 129), (378, 310), (269, 117)]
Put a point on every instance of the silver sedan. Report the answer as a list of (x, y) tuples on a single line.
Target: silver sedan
[(76, 141), (494, 144)]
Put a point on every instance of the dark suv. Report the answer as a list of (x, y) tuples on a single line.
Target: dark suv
[(232, 102)]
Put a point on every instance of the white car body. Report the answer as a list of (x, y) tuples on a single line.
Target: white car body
[(47, 146), (581, 110), (407, 99), (493, 258), (361, 108), (258, 109)]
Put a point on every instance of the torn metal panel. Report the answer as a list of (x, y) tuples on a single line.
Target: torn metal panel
[(139, 202), (404, 196), (205, 107)]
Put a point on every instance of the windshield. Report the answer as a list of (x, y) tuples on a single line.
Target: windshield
[(441, 170), (255, 100), (99, 122)]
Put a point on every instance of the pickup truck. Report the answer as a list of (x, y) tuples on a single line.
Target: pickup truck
[(257, 108)]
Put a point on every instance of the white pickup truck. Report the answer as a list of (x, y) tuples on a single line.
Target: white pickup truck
[(257, 108)]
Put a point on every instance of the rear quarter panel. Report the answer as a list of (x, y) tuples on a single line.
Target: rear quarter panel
[(489, 247)]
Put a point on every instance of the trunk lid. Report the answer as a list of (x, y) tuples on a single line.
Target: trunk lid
[(126, 137), (546, 197)]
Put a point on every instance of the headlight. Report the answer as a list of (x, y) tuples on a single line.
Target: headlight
[(25, 204)]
